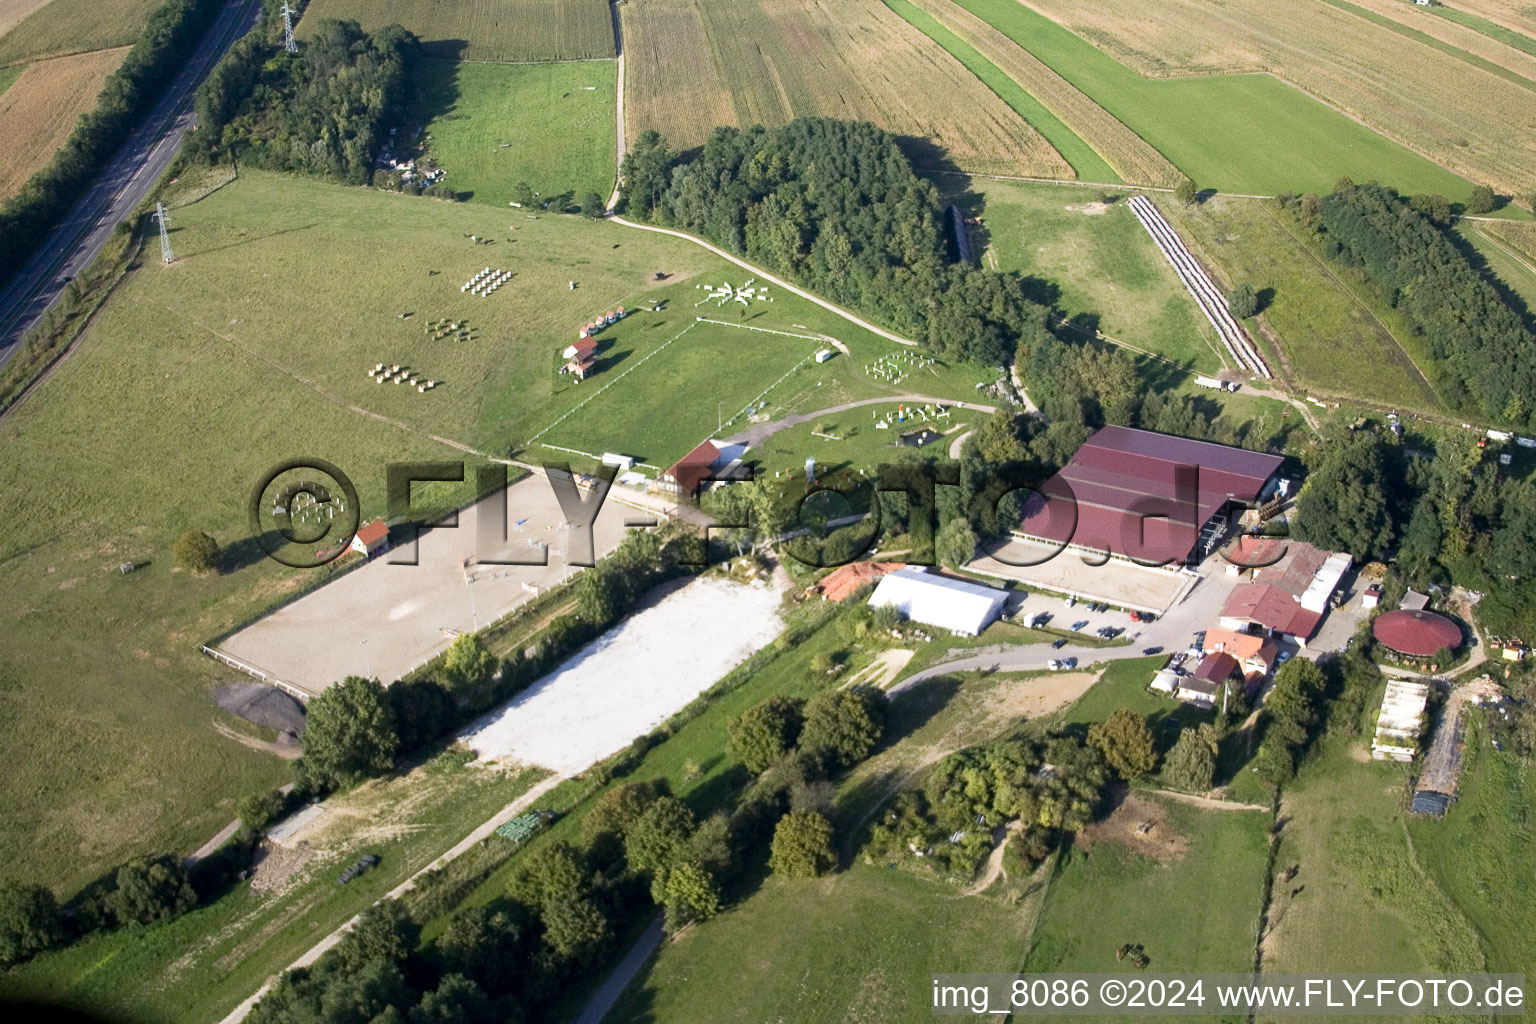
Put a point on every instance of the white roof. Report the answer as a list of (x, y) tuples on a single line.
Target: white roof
[(1402, 709), (1325, 582), (1166, 680), (940, 601)]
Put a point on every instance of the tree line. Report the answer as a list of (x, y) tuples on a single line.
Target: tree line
[(1482, 344), (324, 111), (26, 218), (835, 206)]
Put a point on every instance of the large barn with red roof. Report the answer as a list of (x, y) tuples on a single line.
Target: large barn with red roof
[(1418, 634), (1152, 497)]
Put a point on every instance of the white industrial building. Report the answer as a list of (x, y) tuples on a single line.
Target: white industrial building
[(1400, 722), (940, 601)]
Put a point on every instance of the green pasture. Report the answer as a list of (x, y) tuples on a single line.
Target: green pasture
[(1334, 334), (1110, 274), (1087, 163), (489, 30), (1194, 911), (494, 125), (1236, 133)]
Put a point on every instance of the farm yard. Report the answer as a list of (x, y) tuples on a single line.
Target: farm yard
[(691, 66), (496, 30), (39, 110), (1481, 130), (1084, 121), (1110, 273), (55, 27), (494, 125)]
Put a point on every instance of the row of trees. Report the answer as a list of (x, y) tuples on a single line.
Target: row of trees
[(1482, 343), (322, 111), (171, 33), (836, 206)]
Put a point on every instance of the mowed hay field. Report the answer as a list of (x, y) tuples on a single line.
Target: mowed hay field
[(1477, 123), (70, 26), (1127, 153), (493, 125), (484, 29), (1515, 15), (39, 110), (1105, 264), (695, 64)]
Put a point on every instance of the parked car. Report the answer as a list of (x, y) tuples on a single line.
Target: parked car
[(1060, 643), (1069, 663), (1053, 664), (1135, 616), (1079, 624), (1071, 600), (1285, 656), (1152, 650)]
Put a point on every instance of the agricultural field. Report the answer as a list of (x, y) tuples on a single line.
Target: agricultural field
[(1084, 121), (39, 110), (694, 65), (1513, 268), (9, 75), (1321, 331), (1086, 163), (493, 125), (1364, 903), (1482, 130), (1480, 854), (12, 11), (1422, 24), (1511, 23), (56, 27), (498, 30), (1111, 275), (859, 945), (1189, 890)]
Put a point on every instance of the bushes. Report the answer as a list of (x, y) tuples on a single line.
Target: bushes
[(323, 112), (802, 845), (29, 922), (764, 733), (259, 810), (196, 551), (171, 33), (150, 889), (349, 732)]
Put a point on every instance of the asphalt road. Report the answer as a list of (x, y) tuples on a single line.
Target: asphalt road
[(124, 183)]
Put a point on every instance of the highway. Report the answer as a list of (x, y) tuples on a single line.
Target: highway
[(123, 184)]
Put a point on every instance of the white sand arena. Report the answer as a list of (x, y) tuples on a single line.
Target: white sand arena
[(632, 678)]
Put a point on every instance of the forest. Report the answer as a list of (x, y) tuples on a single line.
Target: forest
[(1482, 344), (324, 111), (836, 206)]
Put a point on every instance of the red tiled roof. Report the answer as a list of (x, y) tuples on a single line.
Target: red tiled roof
[(1419, 633), (692, 469), (373, 533), (840, 583), (1216, 668), (1271, 607), (1132, 496)]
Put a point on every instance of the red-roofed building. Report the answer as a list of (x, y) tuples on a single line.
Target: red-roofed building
[(1418, 634), (581, 367), (1208, 678), (372, 539), (711, 460), (841, 583), (1287, 592), (1147, 496), (581, 349)]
